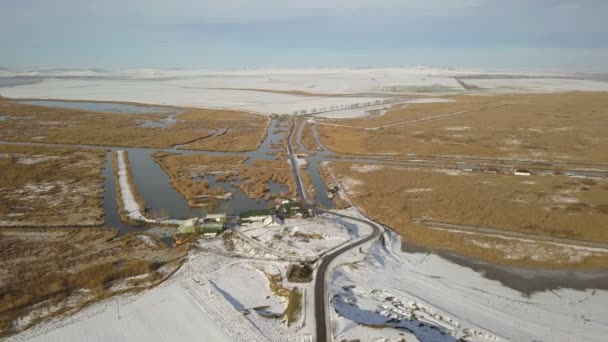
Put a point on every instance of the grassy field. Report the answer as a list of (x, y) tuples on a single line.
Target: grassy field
[(196, 128), (567, 126), (557, 206), (41, 186), (48, 273)]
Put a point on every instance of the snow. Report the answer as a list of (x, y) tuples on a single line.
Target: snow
[(237, 280), (143, 318), (306, 238), (387, 283), (128, 199), (267, 91)]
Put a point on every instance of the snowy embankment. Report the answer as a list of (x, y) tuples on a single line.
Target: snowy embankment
[(129, 203), (433, 299)]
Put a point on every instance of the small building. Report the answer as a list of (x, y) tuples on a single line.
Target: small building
[(188, 227), (216, 218), (210, 228)]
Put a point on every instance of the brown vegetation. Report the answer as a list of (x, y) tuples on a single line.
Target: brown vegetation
[(186, 172), (339, 202), (44, 186), (51, 272), (197, 128), (308, 139), (257, 176), (293, 297), (183, 171), (566, 126), (544, 205)]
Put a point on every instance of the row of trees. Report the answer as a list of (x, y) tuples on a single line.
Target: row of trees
[(344, 106)]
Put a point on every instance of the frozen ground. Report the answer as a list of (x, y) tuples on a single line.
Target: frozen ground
[(394, 295), (306, 238), (271, 91), (222, 293)]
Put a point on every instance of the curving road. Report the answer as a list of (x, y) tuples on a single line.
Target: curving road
[(321, 305)]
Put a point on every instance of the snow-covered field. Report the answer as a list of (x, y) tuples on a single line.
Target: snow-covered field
[(306, 238), (429, 298), (221, 293), (272, 91)]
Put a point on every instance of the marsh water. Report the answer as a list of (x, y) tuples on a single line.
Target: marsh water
[(160, 197)]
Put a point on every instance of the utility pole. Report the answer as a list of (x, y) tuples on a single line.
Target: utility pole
[(118, 308)]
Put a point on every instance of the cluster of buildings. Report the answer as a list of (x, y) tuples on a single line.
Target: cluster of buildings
[(275, 216), (209, 225)]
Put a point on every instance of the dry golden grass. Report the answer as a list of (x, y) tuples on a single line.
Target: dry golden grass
[(566, 126), (199, 128), (256, 178), (184, 169), (557, 206), (233, 131), (293, 297), (53, 272), (294, 137), (308, 138), (44, 186)]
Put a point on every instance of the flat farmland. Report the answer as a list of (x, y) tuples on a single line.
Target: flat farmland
[(569, 127)]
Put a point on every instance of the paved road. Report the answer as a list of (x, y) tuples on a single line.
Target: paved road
[(321, 304)]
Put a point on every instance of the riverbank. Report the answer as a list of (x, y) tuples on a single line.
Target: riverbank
[(131, 205)]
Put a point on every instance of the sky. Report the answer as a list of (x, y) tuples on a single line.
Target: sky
[(232, 34)]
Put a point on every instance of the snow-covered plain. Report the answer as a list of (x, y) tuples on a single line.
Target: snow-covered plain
[(271, 91), (432, 299), (221, 293)]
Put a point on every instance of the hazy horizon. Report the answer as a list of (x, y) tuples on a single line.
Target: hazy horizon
[(569, 35)]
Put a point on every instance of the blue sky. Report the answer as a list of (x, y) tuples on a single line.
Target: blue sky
[(222, 34)]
